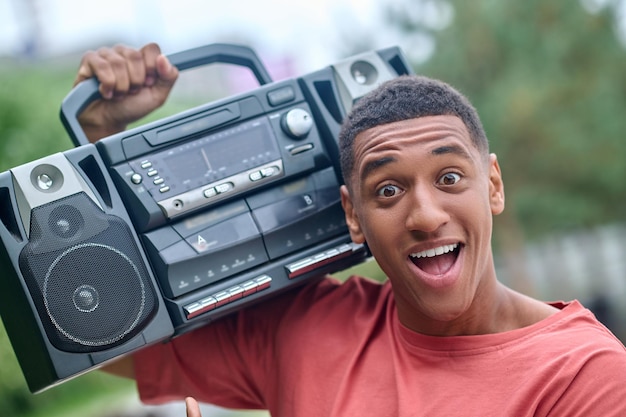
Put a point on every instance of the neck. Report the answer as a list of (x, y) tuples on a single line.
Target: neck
[(495, 309)]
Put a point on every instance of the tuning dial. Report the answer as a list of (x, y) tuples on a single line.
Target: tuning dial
[(297, 123)]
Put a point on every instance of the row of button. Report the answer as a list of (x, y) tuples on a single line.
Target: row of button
[(152, 173), (313, 262), (264, 173), (229, 186), (227, 296), (218, 189)]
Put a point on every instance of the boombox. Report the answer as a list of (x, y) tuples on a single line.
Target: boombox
[(149, 233)]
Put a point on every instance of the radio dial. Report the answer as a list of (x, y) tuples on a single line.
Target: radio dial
[(297, 123)]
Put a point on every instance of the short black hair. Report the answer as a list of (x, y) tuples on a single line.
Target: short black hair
[(402, 98)]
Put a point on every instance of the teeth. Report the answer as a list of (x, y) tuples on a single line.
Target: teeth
[(429, 253)]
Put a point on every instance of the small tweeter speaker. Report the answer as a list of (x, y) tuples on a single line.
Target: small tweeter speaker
[(76, 289), (359, 75), (333, 91)]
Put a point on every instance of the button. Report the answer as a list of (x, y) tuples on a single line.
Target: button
[(281, 95), (236, 292), (210, 192), (152, 172), (269, 171), (199, 307), (192, 309), (249, 287), (222, 297), (158, 181), (146, 164), (255, 176), (136, 178), (297, 123), (164, 189), (222, 188), (208, 303), (300, 149), (263, 282)]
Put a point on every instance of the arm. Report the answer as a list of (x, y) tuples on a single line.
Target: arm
[(123, 367), (133, 83)]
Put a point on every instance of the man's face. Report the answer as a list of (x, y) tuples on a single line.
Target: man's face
[(422, 197)]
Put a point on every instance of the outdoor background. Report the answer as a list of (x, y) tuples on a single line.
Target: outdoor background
[(547, 77)]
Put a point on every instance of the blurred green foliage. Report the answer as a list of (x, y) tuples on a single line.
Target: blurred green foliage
[(30, 96), (549, 81)]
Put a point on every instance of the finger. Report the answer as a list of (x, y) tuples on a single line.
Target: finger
[(85, 70), (193, 409), (94, 64), (165, 79), (116, 79), (167, 73), (135, 67), (150, 53)]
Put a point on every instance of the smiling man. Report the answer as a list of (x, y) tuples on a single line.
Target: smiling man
[(421, 190), (442, 337)]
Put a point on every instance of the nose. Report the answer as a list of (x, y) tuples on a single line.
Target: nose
[(425, 211)]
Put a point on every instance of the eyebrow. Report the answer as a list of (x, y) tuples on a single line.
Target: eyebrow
[(442, 150), (453, 149), (374, 165)]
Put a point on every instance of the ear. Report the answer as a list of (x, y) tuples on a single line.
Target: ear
[(496, 186), (352, 220)]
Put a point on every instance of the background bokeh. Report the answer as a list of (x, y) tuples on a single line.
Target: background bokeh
[(548, 79)]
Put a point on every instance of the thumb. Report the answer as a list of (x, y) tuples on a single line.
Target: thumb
[(166, 72), (193, 409)]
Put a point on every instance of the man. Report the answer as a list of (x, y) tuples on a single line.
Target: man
[(442, 337)]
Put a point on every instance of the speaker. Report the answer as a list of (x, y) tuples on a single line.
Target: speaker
[(333, 91), (75, 288)]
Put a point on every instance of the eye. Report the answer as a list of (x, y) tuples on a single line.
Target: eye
[(449, 178), (388, 191)]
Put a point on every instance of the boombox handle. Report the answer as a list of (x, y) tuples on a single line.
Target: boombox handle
[(87, 91)]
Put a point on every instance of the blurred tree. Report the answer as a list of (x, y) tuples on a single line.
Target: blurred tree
[(30, 97), (549, 81)]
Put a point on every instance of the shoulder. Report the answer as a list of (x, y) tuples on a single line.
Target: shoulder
[(596, 360), (587, 346), (576, 322)]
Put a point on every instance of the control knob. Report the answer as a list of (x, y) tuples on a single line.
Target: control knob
[(297, 123)]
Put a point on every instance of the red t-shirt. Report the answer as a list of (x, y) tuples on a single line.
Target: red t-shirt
[(334, 349)]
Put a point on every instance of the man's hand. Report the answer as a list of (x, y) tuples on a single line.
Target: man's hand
[(132, 84), (193, 409)]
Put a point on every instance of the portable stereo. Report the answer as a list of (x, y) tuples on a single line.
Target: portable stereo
[(173, 224)]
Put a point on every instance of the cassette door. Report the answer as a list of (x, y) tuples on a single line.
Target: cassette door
[(77, 289)]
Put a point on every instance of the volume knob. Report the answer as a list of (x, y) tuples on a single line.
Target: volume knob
[(297, 123)]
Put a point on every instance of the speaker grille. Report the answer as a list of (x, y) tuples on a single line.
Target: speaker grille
[(94, 294), (86, 276)]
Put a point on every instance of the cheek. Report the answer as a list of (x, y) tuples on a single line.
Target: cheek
[(380, 227)]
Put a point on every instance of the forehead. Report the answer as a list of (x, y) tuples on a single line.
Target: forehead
[(423, 133)]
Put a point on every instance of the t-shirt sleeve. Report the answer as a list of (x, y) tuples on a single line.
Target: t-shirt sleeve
[(235, 362), (223, 363), (206, 363), (599, 386)]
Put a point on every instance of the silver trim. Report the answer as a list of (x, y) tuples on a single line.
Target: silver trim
[(224, 188)]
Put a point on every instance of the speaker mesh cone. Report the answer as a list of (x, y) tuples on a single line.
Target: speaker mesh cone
[(94, 294), (86, 276)]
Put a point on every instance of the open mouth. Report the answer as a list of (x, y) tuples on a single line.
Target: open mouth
[(436, 261)]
